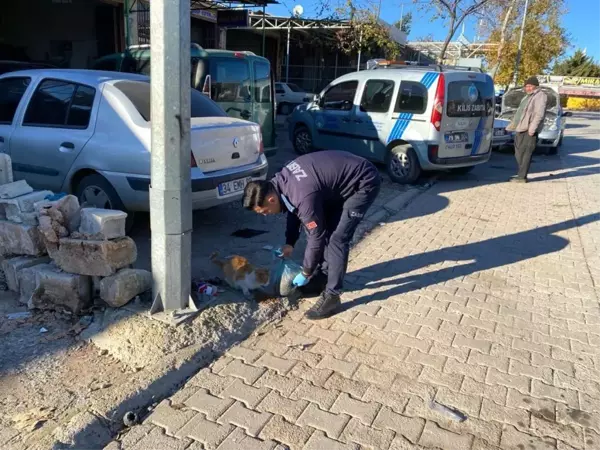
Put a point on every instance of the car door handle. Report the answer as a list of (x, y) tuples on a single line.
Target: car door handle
[(66, 147), (346, 120)]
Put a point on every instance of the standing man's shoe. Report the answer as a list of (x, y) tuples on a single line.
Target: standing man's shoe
[(518, 180), (326, 306)]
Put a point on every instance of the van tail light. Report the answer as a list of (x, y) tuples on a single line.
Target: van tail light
[(261, 145), (193, 161), (207, 86), (438, 103)]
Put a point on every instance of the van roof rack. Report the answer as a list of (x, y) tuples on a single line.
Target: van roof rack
[(374, 64), (146, 46)]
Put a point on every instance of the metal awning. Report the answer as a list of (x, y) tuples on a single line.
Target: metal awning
[(283, 23), (207, 4)]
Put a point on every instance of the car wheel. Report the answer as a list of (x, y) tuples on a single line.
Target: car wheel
[(285, 109), (303, 142), (461, 170), (403, 165), (95, 191)]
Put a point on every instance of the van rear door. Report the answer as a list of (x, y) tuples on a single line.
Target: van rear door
[(468, 119)]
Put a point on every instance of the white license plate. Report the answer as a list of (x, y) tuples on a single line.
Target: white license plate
[(499, 132), (232, 187)]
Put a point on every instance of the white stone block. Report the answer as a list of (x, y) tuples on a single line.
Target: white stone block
[(58, 290), (15, 189), (120, 288), (17, 239), (68, 206), (12, 266), (103, 223), (6, 173), (94, 258), (27, 282), (21, 209)]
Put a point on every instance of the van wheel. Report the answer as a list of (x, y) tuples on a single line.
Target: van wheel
[(403, 165), (96, 192), (303, 142), (461, 170)]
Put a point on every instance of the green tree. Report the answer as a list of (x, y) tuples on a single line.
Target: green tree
[(365, 32), (405, 24), (577, 65), (544, 41)]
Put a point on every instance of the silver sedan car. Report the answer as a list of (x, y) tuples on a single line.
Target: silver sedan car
[(88, 133)]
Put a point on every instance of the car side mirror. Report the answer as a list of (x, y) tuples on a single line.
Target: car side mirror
[(317, 100)]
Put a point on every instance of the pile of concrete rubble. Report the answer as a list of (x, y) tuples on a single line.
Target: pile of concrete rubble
[(57, 255)]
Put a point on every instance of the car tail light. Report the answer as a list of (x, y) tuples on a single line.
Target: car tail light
[(438, 103), (261, 145), (193, 161)]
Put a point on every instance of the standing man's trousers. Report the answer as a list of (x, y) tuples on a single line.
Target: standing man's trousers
[(524, 148)]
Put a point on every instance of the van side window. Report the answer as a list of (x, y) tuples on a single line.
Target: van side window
[(262, 80), (412, 98), (230, 80), (377, 96), (11, 92), (341, 96)]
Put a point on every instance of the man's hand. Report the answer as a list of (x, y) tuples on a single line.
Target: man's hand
[(286, 251), (300, 280), (531, 134)]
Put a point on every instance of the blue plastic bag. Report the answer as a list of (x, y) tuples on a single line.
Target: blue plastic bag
[(283, 272)]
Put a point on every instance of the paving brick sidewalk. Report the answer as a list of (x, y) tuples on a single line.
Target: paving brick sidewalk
[(481, 295)]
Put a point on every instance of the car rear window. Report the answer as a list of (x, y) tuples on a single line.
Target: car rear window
[(138, 92), (468, 98), (513, 98)]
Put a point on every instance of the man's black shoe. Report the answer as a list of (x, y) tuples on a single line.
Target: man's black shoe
[(315, 286), (326, 306)]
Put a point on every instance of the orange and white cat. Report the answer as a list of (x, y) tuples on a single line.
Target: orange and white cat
[(241, 274)]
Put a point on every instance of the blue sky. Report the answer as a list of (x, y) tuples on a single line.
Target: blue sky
[(582, 20)]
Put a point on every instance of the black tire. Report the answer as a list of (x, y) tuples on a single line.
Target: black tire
[(461, 170), (95, 191), (553, 150), (303, 142), (403, 165)]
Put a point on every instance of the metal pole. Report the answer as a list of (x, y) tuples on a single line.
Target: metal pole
[(518, 58), (287, 56), (126, 11), (170, 189), (359, 51), (336, 66), (263, 31)]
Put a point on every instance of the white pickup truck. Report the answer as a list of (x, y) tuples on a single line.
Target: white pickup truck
[(289, 95)]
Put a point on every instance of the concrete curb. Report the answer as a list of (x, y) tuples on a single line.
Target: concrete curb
[(101, 421)]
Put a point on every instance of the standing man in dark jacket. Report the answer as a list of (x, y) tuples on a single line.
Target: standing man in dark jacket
[(528, 121), (328, 193)]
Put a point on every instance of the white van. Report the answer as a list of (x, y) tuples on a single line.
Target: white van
[(411, 118)]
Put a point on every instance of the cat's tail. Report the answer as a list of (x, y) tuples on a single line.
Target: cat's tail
[(214, 257)]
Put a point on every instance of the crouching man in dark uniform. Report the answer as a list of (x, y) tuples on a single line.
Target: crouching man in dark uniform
[(328, 193)]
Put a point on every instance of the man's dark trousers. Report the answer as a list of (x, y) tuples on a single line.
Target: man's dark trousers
[(341, 225), (524, 148)]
